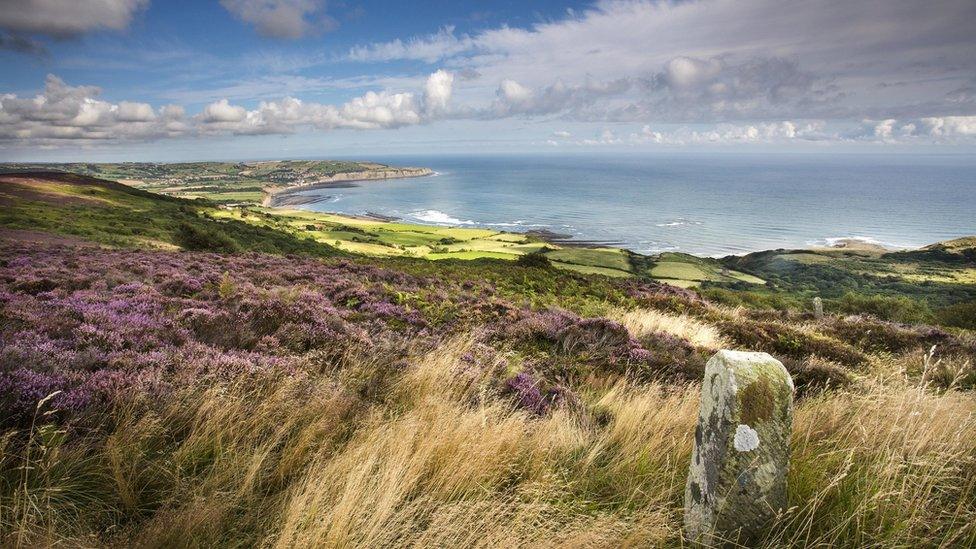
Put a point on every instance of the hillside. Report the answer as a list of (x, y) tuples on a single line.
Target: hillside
[(226, 182), (177, 373), (934, 284), (113, 214), (137, 220)]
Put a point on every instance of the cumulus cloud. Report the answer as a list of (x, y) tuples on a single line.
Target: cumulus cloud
[(380, 110), (64, 18), (513, 97), (437, 92), (62, 113), (221, 111), (686, 72), (135, 112), (937, 128), (282, 18), (949, 126), (723, 134)]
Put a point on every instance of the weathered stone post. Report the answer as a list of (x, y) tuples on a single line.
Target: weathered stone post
[(817, 307), (737, 480)]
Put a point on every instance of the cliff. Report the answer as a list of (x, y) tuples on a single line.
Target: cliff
[(274, 193)]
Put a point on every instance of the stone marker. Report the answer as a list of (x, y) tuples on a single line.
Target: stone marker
[(817, 307), (737, 480)]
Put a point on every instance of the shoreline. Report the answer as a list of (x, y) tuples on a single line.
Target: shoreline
[(278, 197), (285, 198), (841, 244)]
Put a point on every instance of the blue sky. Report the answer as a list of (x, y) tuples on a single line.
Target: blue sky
[(172, 80)]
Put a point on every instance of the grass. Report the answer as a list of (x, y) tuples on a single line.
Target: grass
[(591, 269), (128, 218), (679, 271), (938, 276), (642, 322), (120, 216), (371, 401), (222, 182), (438, 461)]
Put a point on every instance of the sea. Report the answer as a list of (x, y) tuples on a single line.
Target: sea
[(707, 205)]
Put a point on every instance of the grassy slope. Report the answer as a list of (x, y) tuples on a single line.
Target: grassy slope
[(383, 238), (220, 182), (934, 278), (260, 432), (242, 183), (118, 215)]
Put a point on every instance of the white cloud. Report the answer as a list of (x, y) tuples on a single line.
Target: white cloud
[(950, 126), (719, 60), (885, 129), (62, 18), (380, 110), (512, 98), (222, 111), (437, 92), (135, 112), (511, 91), (722, 134), (282, 18), (430, 48), (62, 112), (686, 72), (936, 129)]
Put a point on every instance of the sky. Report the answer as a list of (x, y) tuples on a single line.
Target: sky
[(168, 80)]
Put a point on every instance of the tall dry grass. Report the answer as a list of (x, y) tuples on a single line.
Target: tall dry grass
[(893, 465), (457, 468), (641, 322), (440, 458)]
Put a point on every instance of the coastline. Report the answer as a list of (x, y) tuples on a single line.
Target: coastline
[(278, 197), (285, 198)]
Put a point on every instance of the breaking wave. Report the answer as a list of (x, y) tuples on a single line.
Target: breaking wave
[(679, 222), (438, 217)]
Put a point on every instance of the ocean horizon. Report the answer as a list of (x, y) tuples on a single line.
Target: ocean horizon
[(707, 205)]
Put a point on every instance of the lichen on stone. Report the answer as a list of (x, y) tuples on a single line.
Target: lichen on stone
[(746, 438), (737, 478)]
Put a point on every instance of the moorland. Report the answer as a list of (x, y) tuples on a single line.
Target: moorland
[(194, 371)]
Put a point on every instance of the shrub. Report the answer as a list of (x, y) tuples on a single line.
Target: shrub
[(535, 260), (784, 341), (204, 239), (751, 299), (895, 308), (670, 356), (874, 335), (960, 315), (813, 375)]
